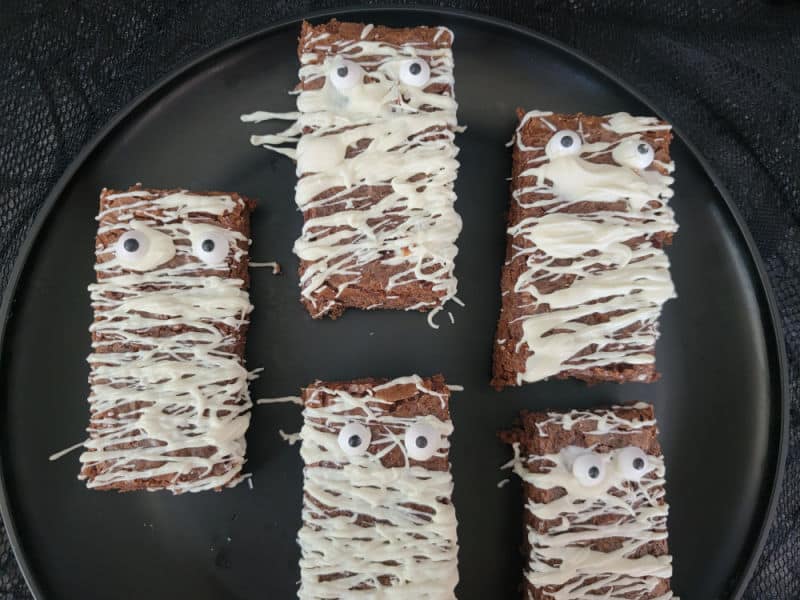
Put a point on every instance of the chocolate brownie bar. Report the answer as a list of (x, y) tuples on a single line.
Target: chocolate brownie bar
[(585, 274), (595, 507), (376, 164), (377, 514), (169, 399)]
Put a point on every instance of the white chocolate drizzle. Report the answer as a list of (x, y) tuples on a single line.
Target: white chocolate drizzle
[(408, 547), (65, 451), (605, 423), (281, 400), (181, 398), (276, 268), (390, 203), (289, 438), (561, 560), (609, 272)]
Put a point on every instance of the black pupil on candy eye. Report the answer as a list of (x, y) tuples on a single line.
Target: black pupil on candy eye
[(638, 463), (354, 441), (207, 245), (131, 245), (643, 148), (342, 71), (567, 141), (415, 68), (421, 441), (594, 472)]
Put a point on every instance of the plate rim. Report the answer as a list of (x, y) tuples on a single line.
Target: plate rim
[(150, 92)]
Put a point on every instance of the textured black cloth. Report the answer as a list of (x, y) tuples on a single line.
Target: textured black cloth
[(727, 72)]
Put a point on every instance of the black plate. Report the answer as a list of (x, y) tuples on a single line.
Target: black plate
[(720, 402)]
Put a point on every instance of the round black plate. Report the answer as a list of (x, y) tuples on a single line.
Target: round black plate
[(719, 402)]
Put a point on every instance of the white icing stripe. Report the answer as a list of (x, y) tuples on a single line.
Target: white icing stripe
[(633, 512), (606, 423), (191, 389), (624, 123), (409, 550), (413, 227), (65, 451), (281, 400), (606, 269), (276, 267)]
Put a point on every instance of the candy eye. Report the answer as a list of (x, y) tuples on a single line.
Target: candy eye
[(563, 143), (422, 441), (211, 246), (143, 249), (632, 463), (132, 246), (415, 72), (633, 153), (346, 74), (589, 469), (354, 439)]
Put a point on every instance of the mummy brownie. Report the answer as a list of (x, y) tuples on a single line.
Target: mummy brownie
[(585, 275), (169, 398), (376, 164), (595, 508), (378, 521)]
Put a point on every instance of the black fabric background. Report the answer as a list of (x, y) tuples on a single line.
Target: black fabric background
[(728, 73)]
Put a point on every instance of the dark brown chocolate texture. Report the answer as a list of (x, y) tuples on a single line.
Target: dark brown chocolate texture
[(510, 356), (237, 219)]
